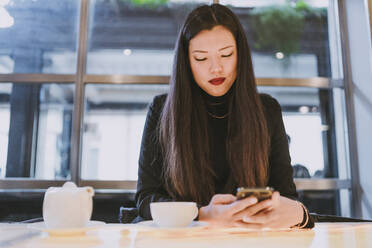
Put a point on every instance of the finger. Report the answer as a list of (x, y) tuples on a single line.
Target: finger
[(240, 205), (223, 199), (276, 198), (254, 209), (264, 217)]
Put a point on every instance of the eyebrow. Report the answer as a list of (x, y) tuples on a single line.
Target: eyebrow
[(201, 51)]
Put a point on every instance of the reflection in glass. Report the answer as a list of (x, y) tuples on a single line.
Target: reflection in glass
[(115, 114), (341, 130), (314, 120), (322, 202), (303, 124), (113, 124), (53, 140), (289, 37), (35, 130), (43, 38), (5, 89), (135, 37), (6, 20)]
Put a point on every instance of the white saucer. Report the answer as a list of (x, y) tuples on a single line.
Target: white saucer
[(93, 224), (151, 224)]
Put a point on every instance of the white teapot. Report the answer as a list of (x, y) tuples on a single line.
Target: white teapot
[(68, 206)]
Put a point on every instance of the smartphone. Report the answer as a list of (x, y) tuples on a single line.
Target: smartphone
[(260, 193)]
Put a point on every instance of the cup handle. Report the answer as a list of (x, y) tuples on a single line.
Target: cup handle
[(90, 190), (196, 212)]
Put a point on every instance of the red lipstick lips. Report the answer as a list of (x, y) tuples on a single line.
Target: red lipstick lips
[(217, 81)]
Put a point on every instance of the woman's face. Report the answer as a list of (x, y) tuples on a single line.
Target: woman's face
[(213, 60)]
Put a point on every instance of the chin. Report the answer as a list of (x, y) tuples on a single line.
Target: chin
[(214, 93), (220, 92)]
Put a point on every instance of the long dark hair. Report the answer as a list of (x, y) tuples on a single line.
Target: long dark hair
[(183, 127)]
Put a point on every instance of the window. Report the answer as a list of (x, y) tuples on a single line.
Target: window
[(35, 130), (113, 123), (44, 37), (133, 38)]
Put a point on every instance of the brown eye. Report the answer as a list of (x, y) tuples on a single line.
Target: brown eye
[(227, 55)]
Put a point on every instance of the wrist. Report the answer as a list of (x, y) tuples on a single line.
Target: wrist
[(303, 217), (202, 213), (300, 213)]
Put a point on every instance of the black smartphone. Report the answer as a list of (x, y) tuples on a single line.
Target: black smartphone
[(260, 193)]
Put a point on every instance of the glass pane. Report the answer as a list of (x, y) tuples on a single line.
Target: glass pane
[(341, 131), (135, 37), (43, 36), (115, 115), (35, 130), (324, 202), (292, 38), (327, 202), (345, 200), (114, 118), (300, 108), (313, 137), (5, 90)]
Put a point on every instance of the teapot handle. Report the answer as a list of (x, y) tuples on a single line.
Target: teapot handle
[(90, 190)]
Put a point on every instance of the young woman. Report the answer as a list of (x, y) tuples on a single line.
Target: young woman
[(213, 132)]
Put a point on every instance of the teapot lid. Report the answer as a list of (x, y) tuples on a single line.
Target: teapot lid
[(69, 185)]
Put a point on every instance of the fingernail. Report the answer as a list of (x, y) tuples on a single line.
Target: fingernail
[(252, 200), (246, 219), (268, 204)]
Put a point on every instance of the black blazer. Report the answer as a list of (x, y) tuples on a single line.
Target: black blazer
[(150, 186)]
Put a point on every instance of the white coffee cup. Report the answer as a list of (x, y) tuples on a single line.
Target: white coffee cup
[(68, 206), (173, 214)]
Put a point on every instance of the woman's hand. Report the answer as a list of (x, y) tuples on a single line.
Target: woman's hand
[(277, 212), (224, 208)]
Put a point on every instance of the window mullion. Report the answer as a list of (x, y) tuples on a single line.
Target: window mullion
[(75, 160)]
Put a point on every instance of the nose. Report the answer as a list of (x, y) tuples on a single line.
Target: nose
[(216, 66)]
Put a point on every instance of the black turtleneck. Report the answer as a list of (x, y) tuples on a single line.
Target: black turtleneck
[(217, 106), (218, 111)]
